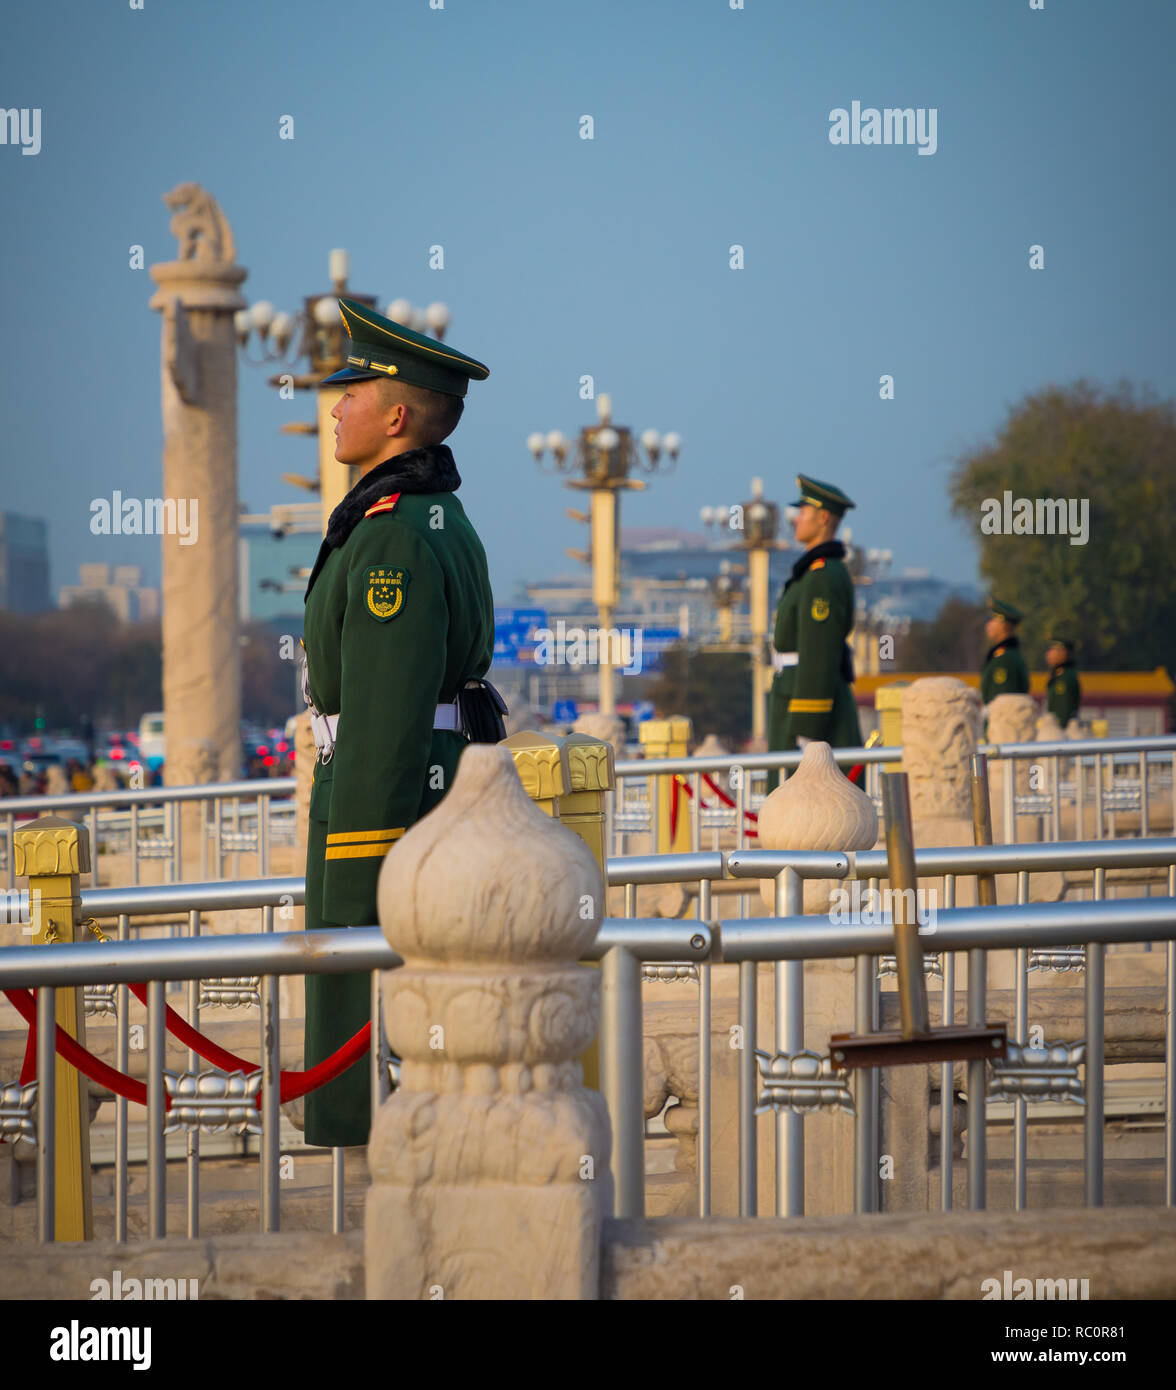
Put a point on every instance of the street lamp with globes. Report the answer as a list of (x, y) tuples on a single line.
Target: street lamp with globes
[(318, 334), (600, 460)]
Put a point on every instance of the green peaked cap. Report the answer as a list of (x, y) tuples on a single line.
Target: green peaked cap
[(825, 495), (383, 347), (1005, 610)]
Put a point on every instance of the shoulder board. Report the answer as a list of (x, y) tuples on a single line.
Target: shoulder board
[(1000, 651), (385, 504), (817, 564)]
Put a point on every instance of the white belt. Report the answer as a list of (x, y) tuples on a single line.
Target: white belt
[(325, 727), (782, 659)]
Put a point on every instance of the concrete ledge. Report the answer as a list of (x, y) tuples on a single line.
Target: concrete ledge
[(285, 1266), (1126, 1252)]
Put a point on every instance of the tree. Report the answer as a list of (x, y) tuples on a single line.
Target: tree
[(713, 689), (1115, 453), (267, 676), (953, 640)]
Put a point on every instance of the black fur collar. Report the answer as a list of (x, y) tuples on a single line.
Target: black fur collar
[(428, 469), (827, 550), (1001, 647)]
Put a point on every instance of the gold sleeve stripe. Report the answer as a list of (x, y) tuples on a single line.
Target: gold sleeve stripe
[(358, 851), (346, 837), (810, 706)]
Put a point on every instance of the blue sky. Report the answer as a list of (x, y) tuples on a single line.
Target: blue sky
[(460, 126)]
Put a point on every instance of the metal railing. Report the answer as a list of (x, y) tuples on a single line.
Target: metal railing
[(1041, 935), (235, 818), (249, 816), (1083, 775)]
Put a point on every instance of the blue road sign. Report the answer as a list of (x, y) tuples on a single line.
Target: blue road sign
[(563, 712), (514, 635)]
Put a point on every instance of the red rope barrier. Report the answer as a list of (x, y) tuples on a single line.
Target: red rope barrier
[(22, 1000), (726, 800), (293, 1084)]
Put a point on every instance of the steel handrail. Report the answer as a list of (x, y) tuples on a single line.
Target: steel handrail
[(709, 866), (654, 939)]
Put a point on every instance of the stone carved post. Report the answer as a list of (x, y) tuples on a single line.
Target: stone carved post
[(490, 1162), (608, 727), (568, 778), (1011, 719), (1048, 728), (941, 727), (712, 747), (197, 297), (816, 808)]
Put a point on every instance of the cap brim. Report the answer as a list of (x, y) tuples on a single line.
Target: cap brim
[(350, 374)]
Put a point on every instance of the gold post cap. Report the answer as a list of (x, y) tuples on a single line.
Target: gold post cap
[(890, 696), (674, 730), (51, 845), (591, 763), (541, 761)]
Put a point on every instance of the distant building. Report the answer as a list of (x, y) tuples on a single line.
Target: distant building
[(119, 587), (24, 564), (276, 552)]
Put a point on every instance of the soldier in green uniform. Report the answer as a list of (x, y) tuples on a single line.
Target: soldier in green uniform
[(1063, 691), (399, 617), (1005, 672), (812, 695)]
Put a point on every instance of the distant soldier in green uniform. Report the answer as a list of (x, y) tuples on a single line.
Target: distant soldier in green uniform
[(1005, 672), (399, 617), (1063, 691), (812, 695)]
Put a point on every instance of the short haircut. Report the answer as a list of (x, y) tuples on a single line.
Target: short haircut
[(433, 416)]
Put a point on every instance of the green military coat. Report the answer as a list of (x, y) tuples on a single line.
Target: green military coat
[(813, 698), (1005, 672), (1064, 693), (399, 615)]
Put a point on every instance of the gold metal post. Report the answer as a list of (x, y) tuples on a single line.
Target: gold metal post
[(982, 825), (669, 738), (567, 778), (605, 586), (335, 479), (758, 564), (904, 886), (916, 1043), (53, 853), (888, 703)]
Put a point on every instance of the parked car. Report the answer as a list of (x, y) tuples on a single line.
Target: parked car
[(152, 739)]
